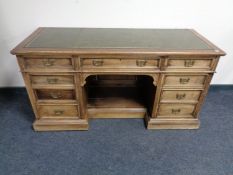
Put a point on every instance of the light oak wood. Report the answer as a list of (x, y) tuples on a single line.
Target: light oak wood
[(58, 111), (203, 63), (180, 96), (159, 77), (52, 80), (184, 81), (173, 110), (90, 63), (60, 125), (50, 63), (178, 123), (202, 97), (55, 94), (117, 112)]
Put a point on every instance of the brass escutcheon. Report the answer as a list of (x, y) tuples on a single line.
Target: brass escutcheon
[(55, 95), (58, 112), (141, 63), (184, 80), (189, 63), (98, 62), (52, 80), (48, 62), (180, 96), (176, 111)]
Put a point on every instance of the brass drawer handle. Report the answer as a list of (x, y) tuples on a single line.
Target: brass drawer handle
[(184, 80), (48, 62), (97, 62), (52, 80), (180, 96), (141, 63), (189, 63), (55, 95), (176, 111), (58, 112)]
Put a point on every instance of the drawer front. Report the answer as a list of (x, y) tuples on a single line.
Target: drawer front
[(185, 80), (119, 63), (175, 110), (54, 94), (189, 63), (48, 63), (58, 111), (180, 96), (52, 79)]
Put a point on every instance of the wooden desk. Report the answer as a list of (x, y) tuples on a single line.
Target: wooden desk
[(73, 74)]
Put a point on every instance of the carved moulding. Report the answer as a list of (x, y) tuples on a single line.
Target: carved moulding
[(84, 76)]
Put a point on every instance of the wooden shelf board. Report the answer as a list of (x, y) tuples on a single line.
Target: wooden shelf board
[(114, 102)]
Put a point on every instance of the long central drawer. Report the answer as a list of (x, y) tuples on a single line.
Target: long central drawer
[(119, 63)]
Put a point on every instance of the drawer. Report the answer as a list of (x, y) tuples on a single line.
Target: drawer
[(184, 81), (189, 63), (176, 110), (48, 63), (52, 79), (119, 63), (180, 96), (58, 111), (55, 94)]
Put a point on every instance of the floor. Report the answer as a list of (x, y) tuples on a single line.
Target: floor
[(117, 146)]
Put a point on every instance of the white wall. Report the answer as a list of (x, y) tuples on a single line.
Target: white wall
[(18, 18)]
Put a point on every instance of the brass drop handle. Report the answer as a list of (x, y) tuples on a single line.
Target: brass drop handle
[(184, 80), (58, 112), (55, 95), (52, 80), (48, 62), (141, 63), (180, 96), (176, 111), (98, 62), (189, 63)]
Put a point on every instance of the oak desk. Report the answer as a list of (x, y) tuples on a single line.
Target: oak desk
[(74, 74)]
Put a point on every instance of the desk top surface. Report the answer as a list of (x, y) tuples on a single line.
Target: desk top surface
[(145, 40)]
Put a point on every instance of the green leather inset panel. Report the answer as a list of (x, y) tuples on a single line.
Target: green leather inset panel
[(160, 39)]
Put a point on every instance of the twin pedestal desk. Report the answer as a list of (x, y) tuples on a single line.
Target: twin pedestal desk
[(75, 74)]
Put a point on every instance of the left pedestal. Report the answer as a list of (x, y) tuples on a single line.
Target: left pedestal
[(52, 83)]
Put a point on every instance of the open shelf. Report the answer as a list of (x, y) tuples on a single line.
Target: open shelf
[(112, 102), (116, 97)]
